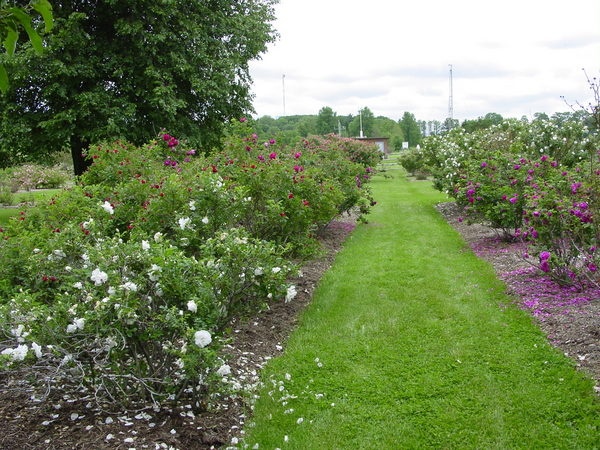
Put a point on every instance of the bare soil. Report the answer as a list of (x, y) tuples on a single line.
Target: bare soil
[(64, 423)]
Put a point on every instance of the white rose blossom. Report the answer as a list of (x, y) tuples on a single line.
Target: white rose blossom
[(191, 306), (17, 354), (130, 286), (77, 324), (291, 293), (99, 277), (154, 272), (108, 207), (37, 349), (202, 338), (184, 222), (224, 370)]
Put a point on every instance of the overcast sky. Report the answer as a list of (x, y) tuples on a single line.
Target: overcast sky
[(512, 57)]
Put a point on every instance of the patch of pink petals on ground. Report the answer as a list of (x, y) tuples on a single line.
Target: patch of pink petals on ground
[(536, 291)]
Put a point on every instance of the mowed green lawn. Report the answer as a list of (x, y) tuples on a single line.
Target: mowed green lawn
[(32, 196), (410, 342)]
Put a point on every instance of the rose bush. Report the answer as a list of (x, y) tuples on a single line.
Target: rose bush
[(535, 181), (124, 284)]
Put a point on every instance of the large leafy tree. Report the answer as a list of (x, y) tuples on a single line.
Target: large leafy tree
[(326, 121), (410, 129), (389, 128), (367, 119), (129, 68), (482, 123)]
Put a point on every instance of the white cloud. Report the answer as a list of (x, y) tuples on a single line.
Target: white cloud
[(512, 57)]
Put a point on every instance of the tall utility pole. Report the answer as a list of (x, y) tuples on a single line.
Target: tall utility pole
[(451, 100), (360, 120), (283, 89)]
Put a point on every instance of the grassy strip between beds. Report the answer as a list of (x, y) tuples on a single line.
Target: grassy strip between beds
[(411, 342)]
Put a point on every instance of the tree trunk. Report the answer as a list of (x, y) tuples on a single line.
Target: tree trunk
[(80, 162)]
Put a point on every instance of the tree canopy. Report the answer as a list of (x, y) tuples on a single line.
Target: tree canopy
[(410, 129), (366, 118), (12, 20), (130, 68), (326, 121)]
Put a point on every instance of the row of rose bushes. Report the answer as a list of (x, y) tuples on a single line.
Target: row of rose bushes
[(535, 181), (125, 283)]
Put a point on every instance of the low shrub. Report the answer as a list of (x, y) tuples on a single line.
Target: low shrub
[(35, 176)]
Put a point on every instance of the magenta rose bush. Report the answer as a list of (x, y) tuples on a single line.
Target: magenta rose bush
[(536, 182), (290, 193)]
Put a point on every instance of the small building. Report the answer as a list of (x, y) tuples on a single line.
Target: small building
[(381, 142)]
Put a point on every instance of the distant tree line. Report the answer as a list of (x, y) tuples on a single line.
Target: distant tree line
[(406, 129), (289, 128)]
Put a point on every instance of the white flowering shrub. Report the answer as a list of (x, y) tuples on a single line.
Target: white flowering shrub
[(35, 176), (134, 320)]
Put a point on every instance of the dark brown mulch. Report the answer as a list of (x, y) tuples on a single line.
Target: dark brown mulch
[(59, 423)]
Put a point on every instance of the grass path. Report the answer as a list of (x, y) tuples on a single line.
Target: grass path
[(411, 343), (32, 196)]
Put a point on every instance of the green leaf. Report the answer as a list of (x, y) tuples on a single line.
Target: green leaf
[(10, 43), (44, 8), (3, 79), (25, 20)]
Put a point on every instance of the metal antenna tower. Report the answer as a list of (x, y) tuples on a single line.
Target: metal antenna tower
[(451, 99)]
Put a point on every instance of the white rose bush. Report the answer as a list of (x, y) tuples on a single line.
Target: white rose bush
[(122, 287)]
